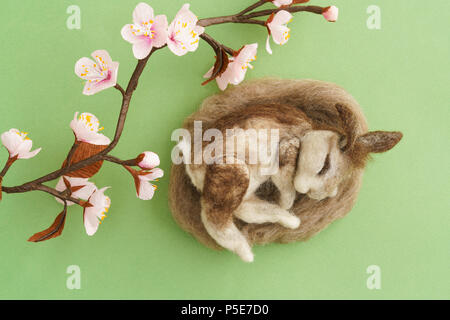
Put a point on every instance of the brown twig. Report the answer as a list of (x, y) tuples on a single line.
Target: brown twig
[(58, 194), (118, 87), (216, 45), (7, 166), (131, 162), (312, 9), (248, 18)]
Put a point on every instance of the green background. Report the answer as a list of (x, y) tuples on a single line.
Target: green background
[(399, 74)]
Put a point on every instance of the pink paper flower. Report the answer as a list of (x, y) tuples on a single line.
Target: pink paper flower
[(277, 26), (331, 13), (86, 128), (280, 3), (18, 144), (94, 211), (81, 188), (183, 33), (148, 160), (99, 74), (146, 31), (237, 68), (144, 188)]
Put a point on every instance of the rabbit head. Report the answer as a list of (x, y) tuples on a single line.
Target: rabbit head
[(327, 157)]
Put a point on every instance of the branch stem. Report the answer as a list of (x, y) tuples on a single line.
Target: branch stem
[(131, 162), (248, 18)]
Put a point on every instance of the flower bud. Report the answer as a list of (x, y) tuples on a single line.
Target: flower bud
[(331, 13), (147, 160)]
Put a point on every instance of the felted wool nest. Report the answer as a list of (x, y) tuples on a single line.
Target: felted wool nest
[(317, 100)]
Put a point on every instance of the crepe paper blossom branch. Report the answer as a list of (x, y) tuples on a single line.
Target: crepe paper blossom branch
[(147, 34)]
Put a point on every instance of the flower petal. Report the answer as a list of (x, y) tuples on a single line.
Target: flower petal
[(24, 148), (160, 28), (92, 87), (280, 3), (90, 221), (146, 190), (176, 47), (209, 73), (84, 133), (142, 13), (268, 48), (128, 35), (154, 174), (281, 17), (29, 155), (223, 81), (102, 56), (199, 29), (82, 66), (142, 49), (93, 214), (12, 140)]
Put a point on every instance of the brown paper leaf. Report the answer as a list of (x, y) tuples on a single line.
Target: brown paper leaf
[(85, 150), (220, 65), (53, 231), (76, 188), (66, 182)]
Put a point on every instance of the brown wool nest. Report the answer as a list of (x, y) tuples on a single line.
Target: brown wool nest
[(317, 100)]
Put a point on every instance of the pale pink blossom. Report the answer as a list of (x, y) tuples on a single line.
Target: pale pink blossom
[(100, 73), (148, 160), (18, 144), (144, 188), (146, 32), (237, 68), (280, 3), (183, 34), (86, 128), (331, 13), (277, 26), (81, 188), (95, 210)]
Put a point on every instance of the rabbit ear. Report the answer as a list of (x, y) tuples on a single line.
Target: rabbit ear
[(378, 141), (349, 124)]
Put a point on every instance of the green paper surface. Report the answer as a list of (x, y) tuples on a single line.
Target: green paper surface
[(399, 74)]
